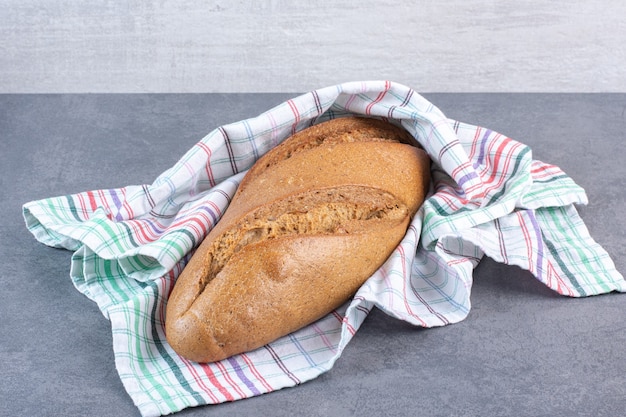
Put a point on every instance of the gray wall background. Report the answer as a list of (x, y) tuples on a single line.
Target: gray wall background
[(273, 45)]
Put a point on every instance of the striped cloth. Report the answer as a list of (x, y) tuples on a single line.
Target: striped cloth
[(489, 197)]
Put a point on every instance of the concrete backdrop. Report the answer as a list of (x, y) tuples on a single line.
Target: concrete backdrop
[(293, 46)]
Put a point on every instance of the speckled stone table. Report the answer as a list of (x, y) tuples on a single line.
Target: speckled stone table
[(522, 351)]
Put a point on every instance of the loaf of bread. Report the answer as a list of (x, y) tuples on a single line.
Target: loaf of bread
[(310, 222)]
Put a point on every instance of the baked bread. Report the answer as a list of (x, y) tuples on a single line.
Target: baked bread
[(310, 222)]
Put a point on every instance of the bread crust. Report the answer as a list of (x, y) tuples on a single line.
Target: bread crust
[(311, 221)]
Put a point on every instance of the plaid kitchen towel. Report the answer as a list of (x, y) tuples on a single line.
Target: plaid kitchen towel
[(489, 197)]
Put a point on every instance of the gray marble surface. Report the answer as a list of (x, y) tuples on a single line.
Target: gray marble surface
[(522, 351)]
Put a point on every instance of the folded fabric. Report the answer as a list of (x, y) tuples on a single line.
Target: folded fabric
[(488, 197)]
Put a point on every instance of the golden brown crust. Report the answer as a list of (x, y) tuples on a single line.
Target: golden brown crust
[(310, 222), (344, 130)]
